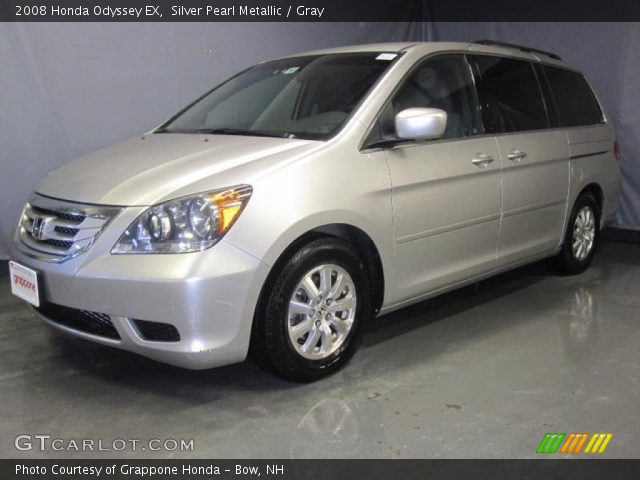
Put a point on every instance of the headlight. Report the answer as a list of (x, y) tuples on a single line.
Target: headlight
[(187, 224)]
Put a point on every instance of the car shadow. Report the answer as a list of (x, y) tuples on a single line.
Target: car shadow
[(135, 372), (455, 302)]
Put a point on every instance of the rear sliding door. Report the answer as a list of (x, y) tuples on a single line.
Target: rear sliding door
[(534, 156)]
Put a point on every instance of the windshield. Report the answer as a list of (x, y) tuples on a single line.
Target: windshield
[(307, 97)]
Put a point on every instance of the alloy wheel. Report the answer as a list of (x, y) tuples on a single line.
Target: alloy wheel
[(584, 231), (321, 312)]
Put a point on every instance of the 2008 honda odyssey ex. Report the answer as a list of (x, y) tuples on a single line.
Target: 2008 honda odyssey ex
[(280, 211)]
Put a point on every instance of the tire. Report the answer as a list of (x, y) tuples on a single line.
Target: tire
[(581, 236), (303, 335)]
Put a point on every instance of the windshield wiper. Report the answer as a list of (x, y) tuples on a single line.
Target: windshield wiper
[(234, 131), (385, 143), (238, 131)]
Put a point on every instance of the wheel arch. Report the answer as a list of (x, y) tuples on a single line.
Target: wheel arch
[(355, 236), (368, 251), (598, 193)]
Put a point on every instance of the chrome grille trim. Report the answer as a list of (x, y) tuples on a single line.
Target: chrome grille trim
[(54, 230)]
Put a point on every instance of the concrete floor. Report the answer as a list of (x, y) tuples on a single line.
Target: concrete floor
[(482, 372)]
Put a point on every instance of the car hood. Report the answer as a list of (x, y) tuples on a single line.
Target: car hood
[(149, 169)]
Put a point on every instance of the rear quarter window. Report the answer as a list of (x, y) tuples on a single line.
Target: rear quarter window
[(576, 102), (509, 95)]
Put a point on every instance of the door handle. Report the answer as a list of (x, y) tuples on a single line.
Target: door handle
[(482, 160), (516, 155)]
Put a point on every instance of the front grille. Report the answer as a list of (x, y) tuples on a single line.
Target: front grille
[(59, 243), (67, 230), (73, 217), (157, 332), (83, 320), (58, 230)]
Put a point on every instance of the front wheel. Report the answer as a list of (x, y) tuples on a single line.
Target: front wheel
[(581, 237), (310, 320)]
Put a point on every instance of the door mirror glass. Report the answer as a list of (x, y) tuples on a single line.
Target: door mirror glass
[(421, 123)]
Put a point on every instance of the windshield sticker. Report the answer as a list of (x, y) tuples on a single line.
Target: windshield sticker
[(291, 70), (386, 56)]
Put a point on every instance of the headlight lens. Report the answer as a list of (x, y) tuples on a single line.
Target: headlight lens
[(187, 224)]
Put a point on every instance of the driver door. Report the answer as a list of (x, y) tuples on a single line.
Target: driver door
[(446, 193)]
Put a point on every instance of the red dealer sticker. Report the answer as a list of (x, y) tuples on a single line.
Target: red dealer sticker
[(24, 283)]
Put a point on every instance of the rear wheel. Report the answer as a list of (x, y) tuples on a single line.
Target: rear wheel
[(310, 320), (581, 237)]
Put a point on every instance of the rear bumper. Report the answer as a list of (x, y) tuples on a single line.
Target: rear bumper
[(208, 296)]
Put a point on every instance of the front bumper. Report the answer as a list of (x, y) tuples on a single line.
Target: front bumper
[(209, 296)]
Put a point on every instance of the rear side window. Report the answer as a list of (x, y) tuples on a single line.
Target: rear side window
[(509, 95), (576, 103)]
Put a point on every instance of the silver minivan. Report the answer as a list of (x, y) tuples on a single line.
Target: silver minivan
[(281, 210)]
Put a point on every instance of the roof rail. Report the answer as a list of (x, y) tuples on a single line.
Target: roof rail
[(517, 47)]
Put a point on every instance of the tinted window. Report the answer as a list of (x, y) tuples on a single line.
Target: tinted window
[(577, 105), (509, 94), (552, 111), (445, 83), (306, 97)]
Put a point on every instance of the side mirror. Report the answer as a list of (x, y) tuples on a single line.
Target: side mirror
[(421, 123)]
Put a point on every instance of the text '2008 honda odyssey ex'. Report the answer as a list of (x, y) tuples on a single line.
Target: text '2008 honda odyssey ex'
[(281, 210)]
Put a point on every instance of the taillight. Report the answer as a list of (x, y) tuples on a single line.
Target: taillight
[(616, 150)]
